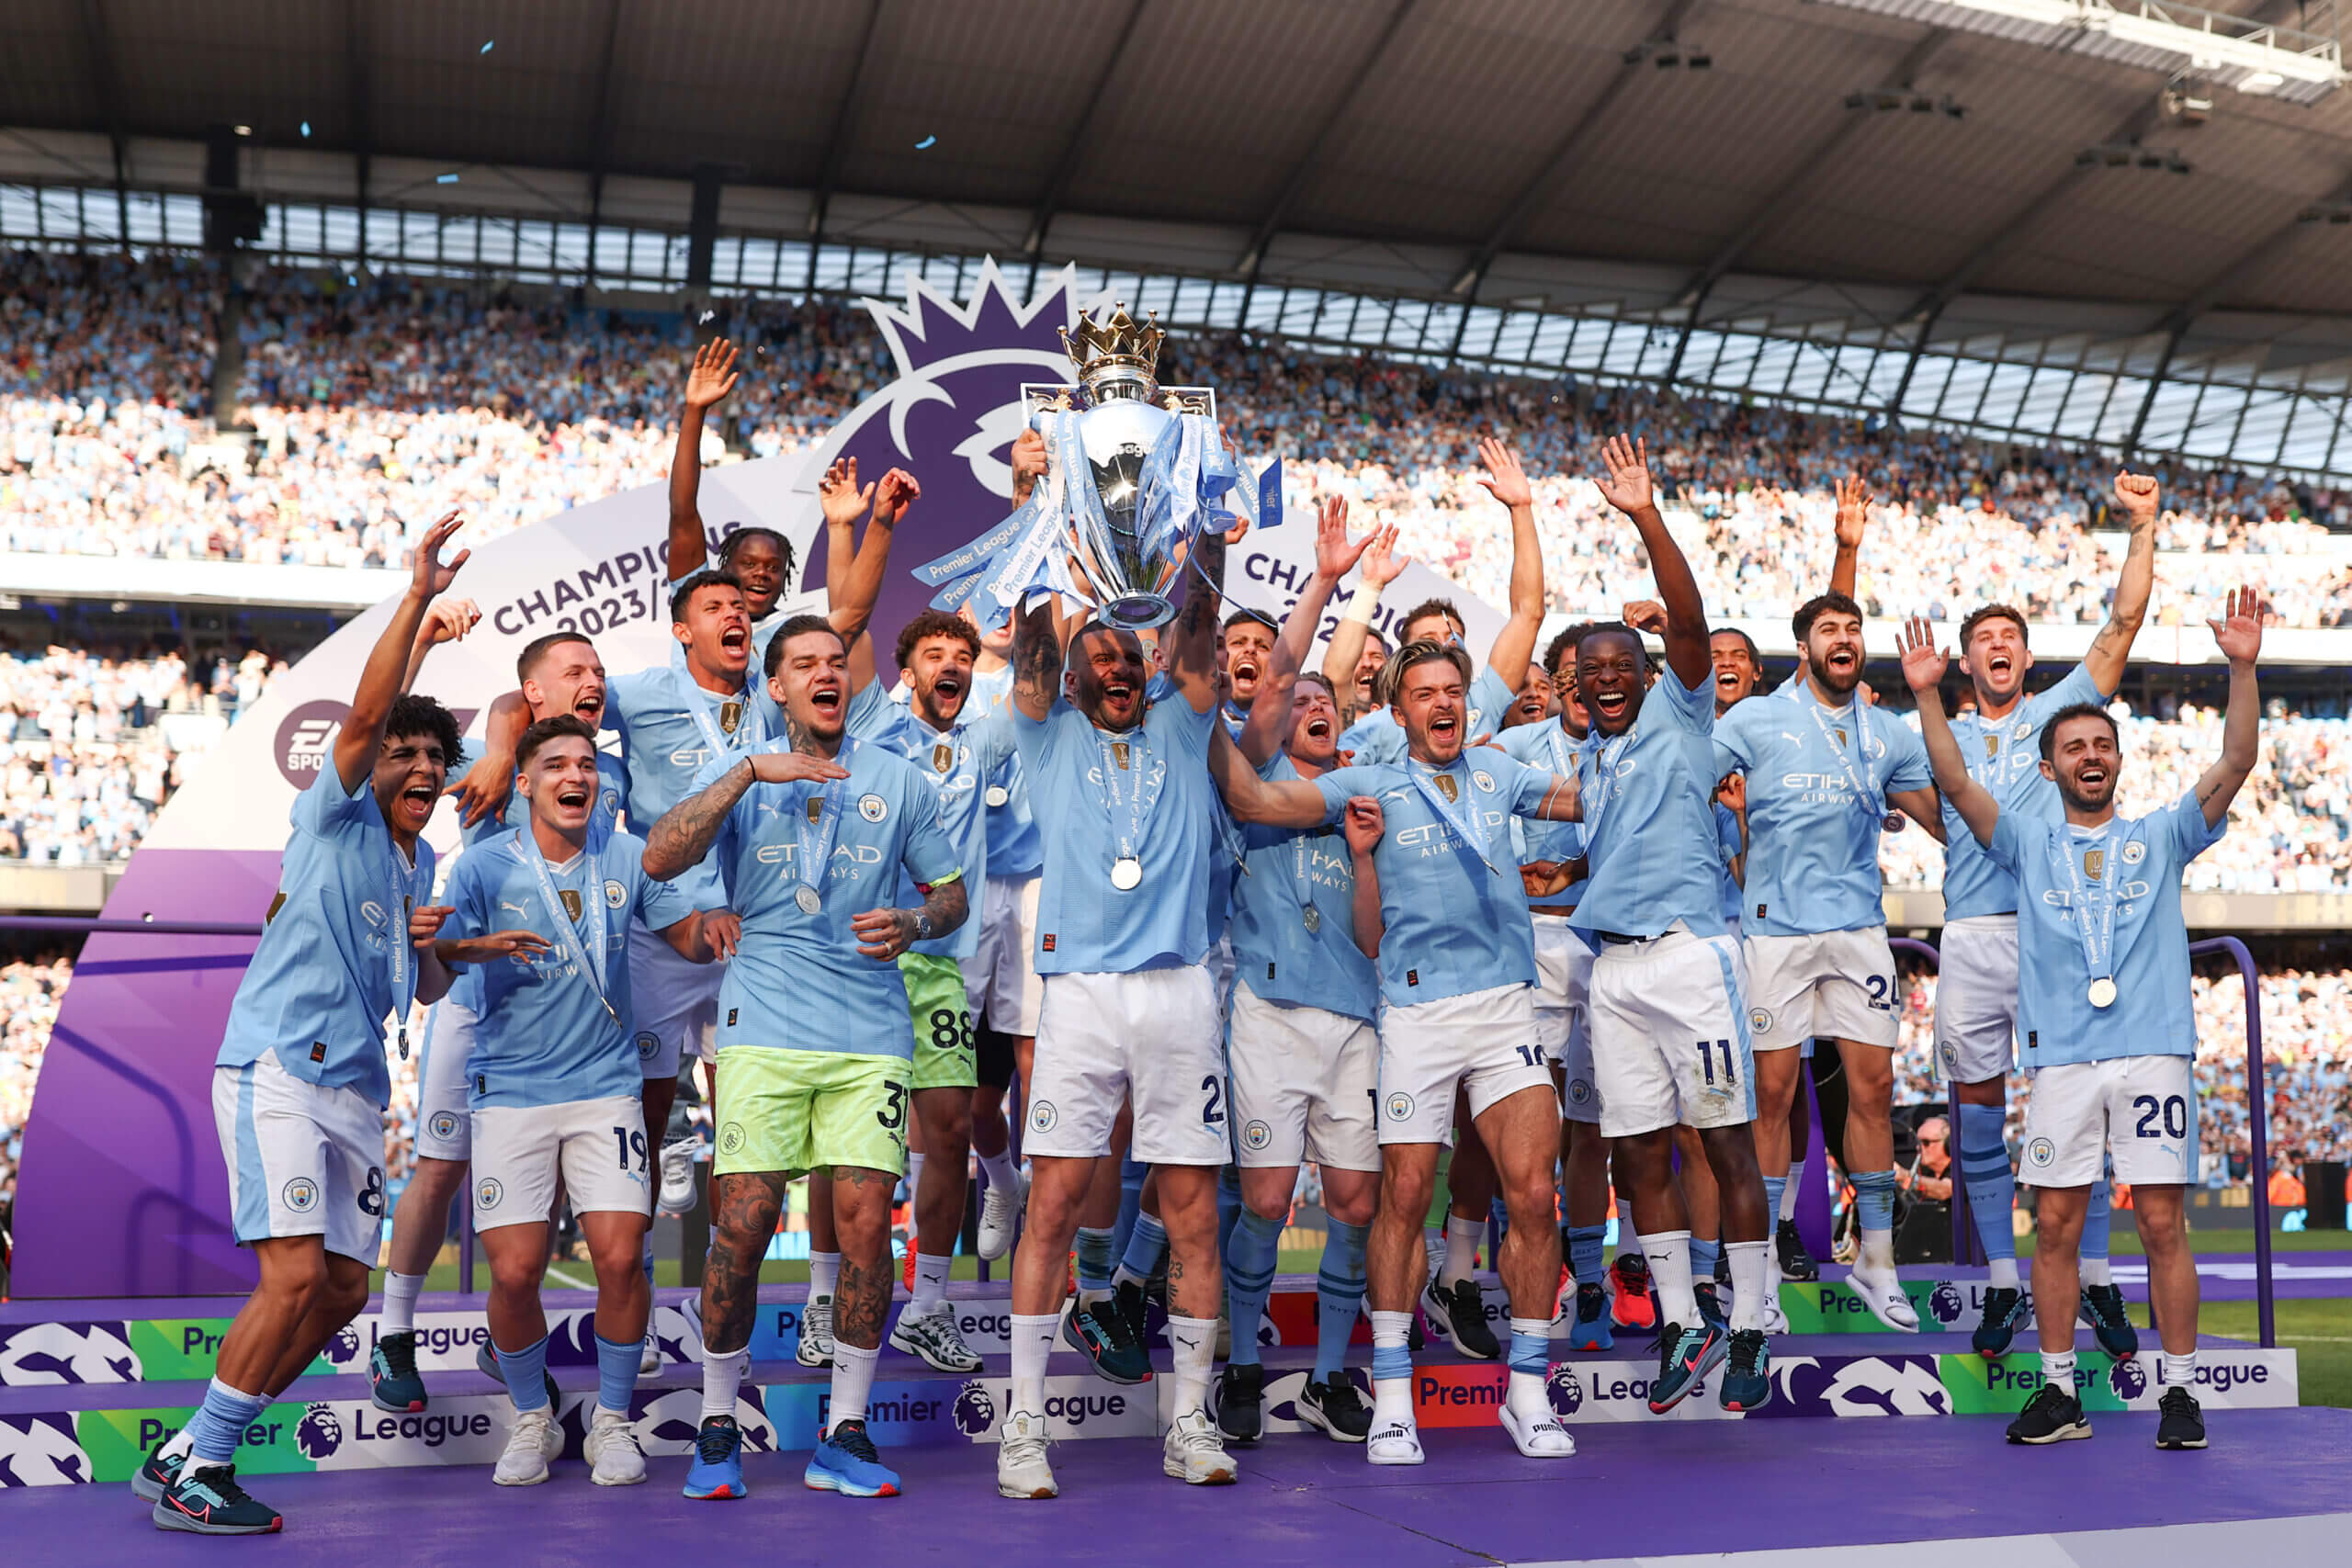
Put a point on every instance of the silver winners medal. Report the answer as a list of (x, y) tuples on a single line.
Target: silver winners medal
[(1313, 918), (1127, 874), (2102, 992), (998, 795), (810, 900)]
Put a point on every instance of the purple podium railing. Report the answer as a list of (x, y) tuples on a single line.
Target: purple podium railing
[(1967, 1249)]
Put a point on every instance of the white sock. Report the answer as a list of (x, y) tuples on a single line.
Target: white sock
[(1194, 1341), (1788, 1194), (1032, 1341), (824, 1273), (1002, 1177), (1668, 1255), (181, 1444), (1878, 1252), (1749, 1261), (1392, 1398), (721, 1376), (1626, 1230), (2004, 1273), (1462, 1239), (1527, 1396), (852, 1379), (2058, 1367), (931, 1284), (399, 1315), (2180, 1371), (2095, 1272)]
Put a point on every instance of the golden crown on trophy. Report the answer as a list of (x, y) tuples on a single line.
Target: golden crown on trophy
[(1117, 340)]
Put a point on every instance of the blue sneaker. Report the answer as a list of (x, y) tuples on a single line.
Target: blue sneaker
[(392, 1380), (1590, 1329), (1710, 1307), (1688, 1354), (157, 1474), (846, 1462), (1747, 1380), (2005, 1314), (2103, 1305), (717, 1471), (210, 1502)]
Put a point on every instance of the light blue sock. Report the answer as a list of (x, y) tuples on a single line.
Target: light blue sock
[(1251, 1254), (1338, 1295), (219, 1425), (615, 1373), (648, 1263), (1531, 1353), (526, 1372), (1131, 1175), (1874, 1198), (1093, 1262), (1992, 1185), (1702, 1259), (1585, 1244), (2097, 1216), (1774, 1187), (1146, 1244)]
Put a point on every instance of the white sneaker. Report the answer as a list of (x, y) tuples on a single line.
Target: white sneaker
[(610, 1448), (1776, 1320), (1193, 1451), (933, 1337), (1883, 1293), (649, 1360), (678, 1177), (999, 1213), (532, 1441), (816, 1347), (1020, 1467), (1542, 1438), (1393, 1442)]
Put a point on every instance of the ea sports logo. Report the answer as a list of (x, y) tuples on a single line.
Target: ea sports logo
[(443, 1124), (2041, 1151), (1256, 1135), (730, 1138), (1400, 1105), (487, 1192), (2127, 1379), (1945, 1302), (302, 1195), (1042, 1116), (306, 739), (1565, 1389), (974, 1411)]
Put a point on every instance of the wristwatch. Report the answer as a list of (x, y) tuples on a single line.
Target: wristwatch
[(922, 925)]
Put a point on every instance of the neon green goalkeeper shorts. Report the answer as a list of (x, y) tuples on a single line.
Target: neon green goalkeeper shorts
[(942, 1020), (793, 1111)]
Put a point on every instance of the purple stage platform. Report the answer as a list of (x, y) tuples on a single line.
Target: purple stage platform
[(1647, 1491)]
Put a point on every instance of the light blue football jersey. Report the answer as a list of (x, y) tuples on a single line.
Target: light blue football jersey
[(1817, 779), (1548, 748), (1165, 813), (1649, 799), (796, 981), (1014, 848), (1453, 921), (1727, 846), (335, 959), (2005, 756), (2063, 870), (604, 820), (955, 762), (543, 1035), (1378, 738), (669, 729), (1289, 879)]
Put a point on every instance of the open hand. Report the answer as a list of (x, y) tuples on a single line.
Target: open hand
[(1624, 481), (1364, 824), (1505, 480), (427, 575), (882, 934), (793, 767), (2239, 631), (493, 947), (1923, 662), (1382, 564), (897, 491), (1853, 510), (713, 376), (838, 493)]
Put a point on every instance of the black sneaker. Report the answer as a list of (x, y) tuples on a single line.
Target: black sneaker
[(1336, 1405), (1711, 1306), (208, 1501), (1240, 1403), (1099, 1334), (2005, 1314), (2182, 1425), (1796, 1263), (2052, 1415), (1460, 1313), (155, 1473), (392, 1382), (2103, 1304), (1128, 1302), (1747, 1376), (1723, 1265)]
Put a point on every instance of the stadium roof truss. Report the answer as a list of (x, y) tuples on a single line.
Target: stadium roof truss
[(1713, 194)]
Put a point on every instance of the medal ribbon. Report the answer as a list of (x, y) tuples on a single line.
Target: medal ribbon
[(2094, 911), (816, 838), (697, 702), (1865, 788), (1604, 780), (593, 911), (396, 916), (1136, 811), (1472, 828)]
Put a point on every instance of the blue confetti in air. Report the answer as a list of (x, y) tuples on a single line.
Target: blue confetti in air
[(926, 141), (445, 180), (306, 127), (487, 47)]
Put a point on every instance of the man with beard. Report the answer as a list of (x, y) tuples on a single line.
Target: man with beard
[(1670, 1029), (1129, 1009), (1376, 737), (809, 834), (1303, 1056), (959, 753), (1822, 770), (301, 1086), (1976, 989), (2103, 1004), (1457, 966), (1249, 644), (1536, 701)]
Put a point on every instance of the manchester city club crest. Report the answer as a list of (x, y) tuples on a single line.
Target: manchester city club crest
[(615, 895), (487, 1192), (1042, 1116), (872, 808), (1256, 1135), (730, 1138), (1483, 778), (1400, 1105), (1759, 1020), (2041, 1151), (444, 1124), (302, 1195)]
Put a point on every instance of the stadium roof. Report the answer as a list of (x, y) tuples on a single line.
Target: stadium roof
[(1460, 130)]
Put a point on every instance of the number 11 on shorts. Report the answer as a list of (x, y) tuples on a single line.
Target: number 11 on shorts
[(1707, 1049)]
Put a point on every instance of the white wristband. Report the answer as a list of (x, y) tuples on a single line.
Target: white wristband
[(1361, 607)]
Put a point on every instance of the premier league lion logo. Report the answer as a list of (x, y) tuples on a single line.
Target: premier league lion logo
[(974, 1410), (1946, 1303), (2127, 1379), (343, 1349), (1565, 1389), (320, 1433)]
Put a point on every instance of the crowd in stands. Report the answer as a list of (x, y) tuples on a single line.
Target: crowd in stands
[(30, 993)]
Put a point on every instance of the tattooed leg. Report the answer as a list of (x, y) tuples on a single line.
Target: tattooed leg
[(862, 1219), (744, 1206)]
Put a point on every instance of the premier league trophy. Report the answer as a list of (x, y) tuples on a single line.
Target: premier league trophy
[(1135, 472)]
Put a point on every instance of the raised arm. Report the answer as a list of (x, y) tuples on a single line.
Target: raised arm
[(1284, 803), (1923, 667), (2136, 493), (1625, 483), (2239, 632), (1037, 658), (1381, 566), (1335, 556), (1853, 516), (1514, 647), (490, 780), (1363, 826), (851, 602), (712, 377), (448, 620), (1192, 637), (383, 678)]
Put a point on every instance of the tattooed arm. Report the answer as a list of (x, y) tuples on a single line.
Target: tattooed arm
[(1036, 659), (1191, 661), (2112, 647), (885, 933), (687, 830)]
